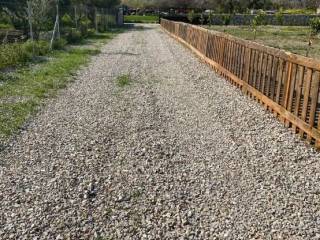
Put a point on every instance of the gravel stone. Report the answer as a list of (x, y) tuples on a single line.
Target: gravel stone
[(179, 153)]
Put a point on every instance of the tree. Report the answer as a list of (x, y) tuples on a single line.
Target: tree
[(258, 20)]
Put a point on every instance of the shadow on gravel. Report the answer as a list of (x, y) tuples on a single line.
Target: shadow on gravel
[(134, 27), (122, 53)]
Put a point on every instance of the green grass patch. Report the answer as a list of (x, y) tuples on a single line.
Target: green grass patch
[(123, 80), (6, 26), (23, 91), (141, 19), (289, 38)]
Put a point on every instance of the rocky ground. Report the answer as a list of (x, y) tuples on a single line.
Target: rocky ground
[(178, 153)]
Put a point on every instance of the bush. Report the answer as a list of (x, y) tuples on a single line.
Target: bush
[(84, 24), (191, 16), (259, 19), (13, 54), (280, 17), (73, 35), (6, 26), (315, 25), (226, 19), (91, 32), (66, 21), (60, 43), (41, 48)]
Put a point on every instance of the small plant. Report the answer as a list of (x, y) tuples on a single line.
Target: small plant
[(123, 80), (191, 16), (72, 35), (315, 25), (59, 43), (67, 21), (201, 19), (258, 20), (280, 17), (226, 19), (210, 18)]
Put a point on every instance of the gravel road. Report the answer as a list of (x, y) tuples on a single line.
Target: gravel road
[(178, 153)]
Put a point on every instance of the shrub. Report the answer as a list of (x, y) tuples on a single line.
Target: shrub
[(13, 54), (315, 25), (258, 20), (226, 19), (41, 48), (191, 16), (84, 24), (91, 32), (66, 21), (201, 19), (59, 43), (6, 26), (72, 35), (280, 17), (210, 17)]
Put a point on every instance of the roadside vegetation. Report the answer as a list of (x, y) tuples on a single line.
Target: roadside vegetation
[(42, 44), (23, 90)]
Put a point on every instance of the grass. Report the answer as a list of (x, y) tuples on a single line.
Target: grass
[(141, 19), (123, 80), (23, 91), (290, 38)]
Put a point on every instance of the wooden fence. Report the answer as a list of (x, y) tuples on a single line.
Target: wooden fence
[(284, 83)]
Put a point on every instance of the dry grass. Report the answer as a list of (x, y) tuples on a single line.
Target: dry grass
[(290, 38)]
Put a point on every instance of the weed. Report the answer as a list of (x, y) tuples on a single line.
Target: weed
[(123, 80)]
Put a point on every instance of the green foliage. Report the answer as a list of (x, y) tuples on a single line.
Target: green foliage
[(67, 21), (201, 19), (259, 19), (35, 84), (315, 25), (280, 17), (226, 19), (6, 26), (210, 18), (5, 21), (72, 35), (85, 23), (91, 32), (191, 16), (13, 54), (60, 43), (123, 80)]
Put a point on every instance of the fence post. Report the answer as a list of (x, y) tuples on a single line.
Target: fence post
[(56, 26), (95, 19), (247, 69), (75, 16), (207, 44), (30, 25), (58, 23)]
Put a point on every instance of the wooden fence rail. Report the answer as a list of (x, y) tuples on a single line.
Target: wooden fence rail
[(285, 83)]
